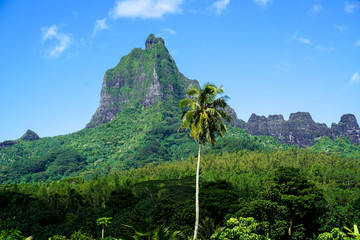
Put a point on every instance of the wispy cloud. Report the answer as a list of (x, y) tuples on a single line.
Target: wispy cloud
[(62, 41), (169, 30), (305, 41), (219, 6), (145, 9), (341, 28), (322, 48), (165, 32), (351, 6), (316, 8), (100, 25), (355, 78), (263, 3)]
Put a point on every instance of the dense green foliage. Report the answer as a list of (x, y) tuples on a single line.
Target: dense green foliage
[(303, 190), (239, 229)]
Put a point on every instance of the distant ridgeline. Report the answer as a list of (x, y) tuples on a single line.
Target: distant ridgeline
[(301, 130)]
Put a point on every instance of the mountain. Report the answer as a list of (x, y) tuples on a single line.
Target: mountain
[(301, 130), (143, 77), (147, 76)]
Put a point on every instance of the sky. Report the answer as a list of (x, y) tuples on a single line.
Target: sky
[(271, 56)]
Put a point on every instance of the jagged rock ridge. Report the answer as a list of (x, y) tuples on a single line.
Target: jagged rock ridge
[(347, 127), (143, 77), (301, 130)]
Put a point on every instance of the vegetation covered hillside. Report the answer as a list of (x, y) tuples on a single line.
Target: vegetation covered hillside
[(137, 136)]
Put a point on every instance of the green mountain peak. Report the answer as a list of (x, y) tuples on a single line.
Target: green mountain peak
[(152, 41), (142, 77)]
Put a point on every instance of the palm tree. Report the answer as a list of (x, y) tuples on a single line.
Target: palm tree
[(204, 115), (103, 222)]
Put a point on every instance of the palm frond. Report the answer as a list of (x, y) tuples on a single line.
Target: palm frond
[(224, 115), (218, 103), (193, 91), (187, 102)]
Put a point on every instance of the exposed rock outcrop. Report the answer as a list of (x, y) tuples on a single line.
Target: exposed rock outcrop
[(30, 136), (347, 127), (301, 130)]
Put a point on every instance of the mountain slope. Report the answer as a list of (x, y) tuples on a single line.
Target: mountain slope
[(137, 136)]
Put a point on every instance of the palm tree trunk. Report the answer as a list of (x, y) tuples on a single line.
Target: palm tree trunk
[(197, 195), (102, 232)]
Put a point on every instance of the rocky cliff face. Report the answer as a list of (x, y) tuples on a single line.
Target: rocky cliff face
[(143, 77), (301, 130), (347, 127)]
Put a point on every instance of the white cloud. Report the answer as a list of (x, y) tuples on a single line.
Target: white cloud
[(263, 3), (49, 33), (352, 6), (324, 49), (100, 25), (220, 6), (355, 78), (341, 28), (145, 8), (316, 8), (62, 41), (305, 41)]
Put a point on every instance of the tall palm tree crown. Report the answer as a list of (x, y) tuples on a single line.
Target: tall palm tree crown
[(205, 113)]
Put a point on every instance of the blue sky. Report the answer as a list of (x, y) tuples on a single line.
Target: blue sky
[(272, 56)]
